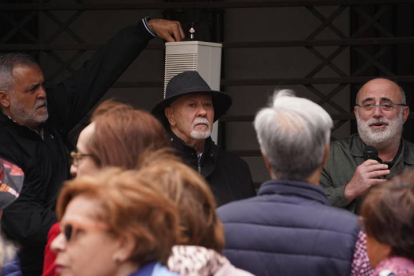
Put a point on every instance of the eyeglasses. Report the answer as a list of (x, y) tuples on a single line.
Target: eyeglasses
[(77, 156), (384, 106), (70, 229)]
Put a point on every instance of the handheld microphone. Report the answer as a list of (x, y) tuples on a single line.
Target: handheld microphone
[(371, 153)]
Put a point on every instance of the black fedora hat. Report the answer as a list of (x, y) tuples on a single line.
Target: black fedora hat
[(190, 82)]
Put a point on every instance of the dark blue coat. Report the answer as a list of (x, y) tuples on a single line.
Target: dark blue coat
[(289, 229), (12, 268)]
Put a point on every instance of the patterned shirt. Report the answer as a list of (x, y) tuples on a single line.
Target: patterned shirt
[(360, 265)]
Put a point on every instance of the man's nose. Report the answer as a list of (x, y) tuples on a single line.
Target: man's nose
[(377, 111), (42, 92), (202, 111)]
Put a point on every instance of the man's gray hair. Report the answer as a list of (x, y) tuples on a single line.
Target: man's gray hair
[(7, 63), (293, 133)]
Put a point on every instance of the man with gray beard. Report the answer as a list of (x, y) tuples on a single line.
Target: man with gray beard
[(380, 111), (188, 111)]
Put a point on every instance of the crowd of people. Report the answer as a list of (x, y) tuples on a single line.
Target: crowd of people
[(151, 194)]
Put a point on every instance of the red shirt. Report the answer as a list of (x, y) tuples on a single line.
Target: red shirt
[(50, 256)]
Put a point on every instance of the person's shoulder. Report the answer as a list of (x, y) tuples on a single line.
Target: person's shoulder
[(340, 220), (335, 212), (227, 156), (408, 144), (352, 145), (160, 270), (346, 142), (5, 132), (237, 209)]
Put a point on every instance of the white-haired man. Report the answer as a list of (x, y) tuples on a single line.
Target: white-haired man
[(289, 228), (380, 111), (188, 111)]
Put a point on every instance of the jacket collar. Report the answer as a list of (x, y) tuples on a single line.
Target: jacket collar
[(357, 149), (294, 188), (10, 124), (207, 163), (183, 146)]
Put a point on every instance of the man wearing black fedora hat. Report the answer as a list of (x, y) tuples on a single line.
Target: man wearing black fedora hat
[(188, 111)]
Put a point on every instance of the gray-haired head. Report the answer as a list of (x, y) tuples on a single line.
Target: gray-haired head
[(293, 134), (403, 98), (7, 63)]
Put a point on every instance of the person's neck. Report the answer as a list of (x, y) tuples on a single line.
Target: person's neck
[(197, 144), (35, 126), (126, 268), (387, 154), (389, 149), (313, 179)]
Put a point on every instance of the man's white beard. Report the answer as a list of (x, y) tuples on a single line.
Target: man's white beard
[(200, 134), (382, 137)]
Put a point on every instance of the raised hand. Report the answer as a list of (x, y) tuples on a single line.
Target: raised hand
[(166, 29)]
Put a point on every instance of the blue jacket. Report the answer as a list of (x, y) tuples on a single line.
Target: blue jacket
[(289, 229), (153, 269), (12, 268)]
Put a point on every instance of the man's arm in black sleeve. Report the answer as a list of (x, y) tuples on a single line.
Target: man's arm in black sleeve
[(74, 97)]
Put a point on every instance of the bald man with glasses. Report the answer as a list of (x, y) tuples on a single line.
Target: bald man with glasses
[(380, 111)]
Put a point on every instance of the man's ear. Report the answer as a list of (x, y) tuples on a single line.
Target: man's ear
[(266, 161), (4, 99), (170, 115), (268, 166), (406, 112), (325, 155)]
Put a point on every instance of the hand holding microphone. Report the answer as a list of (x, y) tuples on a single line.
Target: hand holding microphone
[(367, 174), (371, 153)]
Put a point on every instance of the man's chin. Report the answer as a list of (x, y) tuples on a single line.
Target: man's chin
[(200, 135), (377, 139), (42, 118)]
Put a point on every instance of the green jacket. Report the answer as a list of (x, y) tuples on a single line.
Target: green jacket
[(344, 157)]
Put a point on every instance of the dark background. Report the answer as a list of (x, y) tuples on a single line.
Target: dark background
[(324, 50)]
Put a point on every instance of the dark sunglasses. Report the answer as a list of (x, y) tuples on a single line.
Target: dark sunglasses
[(70, 229)]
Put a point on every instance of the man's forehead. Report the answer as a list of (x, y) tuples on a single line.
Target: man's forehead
[(24, 68), (31, 73), (380, 89)]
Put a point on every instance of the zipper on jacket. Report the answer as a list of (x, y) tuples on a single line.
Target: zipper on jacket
[(199, 164)]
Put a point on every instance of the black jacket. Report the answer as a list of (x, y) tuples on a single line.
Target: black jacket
[(228, 176), (45, 162), (289, 229)]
